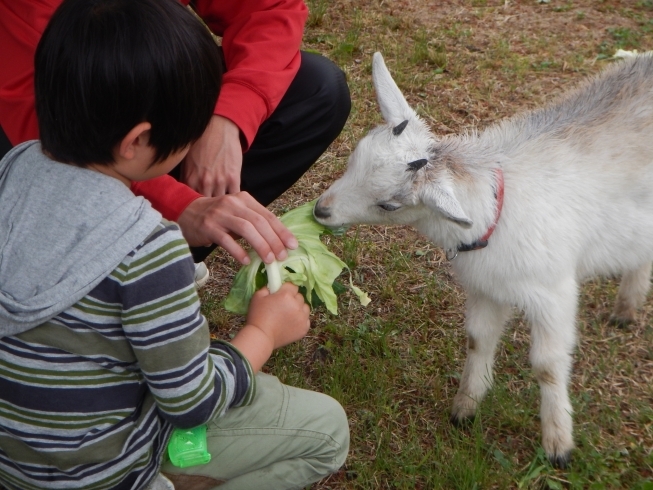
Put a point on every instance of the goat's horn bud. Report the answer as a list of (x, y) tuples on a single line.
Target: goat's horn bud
[(417, 164), (399, 128)]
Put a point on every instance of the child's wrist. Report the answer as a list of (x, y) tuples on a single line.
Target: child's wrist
[(255, 344)]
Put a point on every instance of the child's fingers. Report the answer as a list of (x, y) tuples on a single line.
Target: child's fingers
[(263, 292), (306, 310), (290, 287)]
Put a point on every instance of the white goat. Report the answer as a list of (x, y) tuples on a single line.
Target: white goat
[(578, 180)]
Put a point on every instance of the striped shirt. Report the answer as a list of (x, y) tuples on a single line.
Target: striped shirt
[(89, 399)]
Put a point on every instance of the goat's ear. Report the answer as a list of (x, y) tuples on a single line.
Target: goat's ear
[(393, 105), (441, 199)]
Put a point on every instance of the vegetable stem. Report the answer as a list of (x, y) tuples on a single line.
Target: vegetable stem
[(274, 276)]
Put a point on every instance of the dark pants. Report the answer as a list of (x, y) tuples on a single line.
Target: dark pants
[(309, 117)]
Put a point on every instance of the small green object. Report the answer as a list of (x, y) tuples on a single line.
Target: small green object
[(187, 447)]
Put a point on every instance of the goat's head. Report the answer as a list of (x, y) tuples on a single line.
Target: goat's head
[(389, 179)]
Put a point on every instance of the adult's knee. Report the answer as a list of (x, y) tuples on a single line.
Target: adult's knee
[(331, 80), (328, 88)]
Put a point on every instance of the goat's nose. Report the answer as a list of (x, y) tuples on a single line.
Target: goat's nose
[(321, 212)]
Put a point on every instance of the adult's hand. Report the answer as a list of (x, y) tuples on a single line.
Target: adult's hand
[(222, 220), (212, 166)]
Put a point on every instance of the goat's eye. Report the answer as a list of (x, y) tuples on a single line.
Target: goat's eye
[(388, 207)]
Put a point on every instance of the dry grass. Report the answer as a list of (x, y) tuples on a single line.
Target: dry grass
[(395, 365)]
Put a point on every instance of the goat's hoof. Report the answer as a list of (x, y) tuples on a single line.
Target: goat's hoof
[(620, 322), (560, 461), (462, 421), (463, 410)]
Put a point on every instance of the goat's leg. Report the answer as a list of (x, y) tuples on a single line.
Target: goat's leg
[(633, 289), (553, 337), (484, 322)]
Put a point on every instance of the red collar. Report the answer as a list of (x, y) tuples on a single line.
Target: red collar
[(482, 242)]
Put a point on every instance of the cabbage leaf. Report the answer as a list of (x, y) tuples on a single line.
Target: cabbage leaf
[(311, 267)]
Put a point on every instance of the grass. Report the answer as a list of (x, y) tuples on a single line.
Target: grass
[(395, 365)]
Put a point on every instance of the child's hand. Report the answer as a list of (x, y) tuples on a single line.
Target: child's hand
[(283, 316), (273, 320)]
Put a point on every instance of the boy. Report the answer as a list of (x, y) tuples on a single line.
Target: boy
[(103, 349)]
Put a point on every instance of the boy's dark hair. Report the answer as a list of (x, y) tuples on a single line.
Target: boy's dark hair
[(103, 66)]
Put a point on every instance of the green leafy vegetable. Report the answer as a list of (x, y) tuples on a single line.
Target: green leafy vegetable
[(311, 266)]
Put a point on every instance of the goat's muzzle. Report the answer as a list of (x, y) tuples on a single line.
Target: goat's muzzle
[(321, 212)]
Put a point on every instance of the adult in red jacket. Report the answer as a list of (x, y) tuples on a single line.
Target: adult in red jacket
[(278, 110)]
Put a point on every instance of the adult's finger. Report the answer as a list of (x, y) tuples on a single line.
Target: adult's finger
[(279, 229), (210, 184), (232, 247), (232, 185)]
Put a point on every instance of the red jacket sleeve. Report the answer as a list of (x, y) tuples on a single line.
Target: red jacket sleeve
[(261, 41), (21, 26), (167, 195)]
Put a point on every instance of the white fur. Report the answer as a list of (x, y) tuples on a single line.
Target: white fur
[(578, 203)]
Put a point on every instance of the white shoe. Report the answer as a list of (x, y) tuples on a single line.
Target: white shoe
[(201, 274), (161, 483)]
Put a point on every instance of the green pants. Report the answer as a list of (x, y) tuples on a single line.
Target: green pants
[(287, 438)]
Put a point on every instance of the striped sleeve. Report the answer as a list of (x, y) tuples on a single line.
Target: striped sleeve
[(192, 381)]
